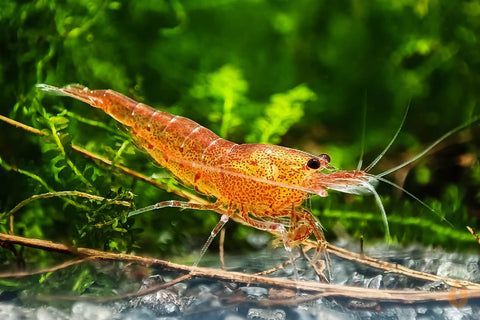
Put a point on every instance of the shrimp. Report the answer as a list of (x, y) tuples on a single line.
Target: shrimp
[(261, 185)]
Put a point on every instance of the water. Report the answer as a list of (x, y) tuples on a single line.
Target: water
[(202, 298)]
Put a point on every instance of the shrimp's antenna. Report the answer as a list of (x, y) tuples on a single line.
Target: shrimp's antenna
[(415, 198), (364, 122), (382, 210), (344, 186), (380, 156), (433, 145)]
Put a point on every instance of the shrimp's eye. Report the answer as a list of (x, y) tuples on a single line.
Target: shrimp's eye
[(325, 157), (313, 163)]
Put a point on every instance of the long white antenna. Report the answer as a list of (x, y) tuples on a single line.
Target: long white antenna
[(415, 198), (421, 154), (382, 210), (380, 156), (362, 149)]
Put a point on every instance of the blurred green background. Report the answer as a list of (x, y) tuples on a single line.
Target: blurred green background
[(295, 73)]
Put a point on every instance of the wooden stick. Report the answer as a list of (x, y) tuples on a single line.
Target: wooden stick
[(221, 250), (395, 268), (316, 288), (46, 270), (474, 233), (22, 126)]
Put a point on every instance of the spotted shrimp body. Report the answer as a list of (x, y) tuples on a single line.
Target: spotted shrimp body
[(262, 184)]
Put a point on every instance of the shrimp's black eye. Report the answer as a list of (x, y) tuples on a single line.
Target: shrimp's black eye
[(313, 163), (325, 157)]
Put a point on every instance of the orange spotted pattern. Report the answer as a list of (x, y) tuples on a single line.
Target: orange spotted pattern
[(251, 179)]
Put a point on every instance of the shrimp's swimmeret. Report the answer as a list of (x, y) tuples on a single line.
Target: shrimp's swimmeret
[(262, 184)]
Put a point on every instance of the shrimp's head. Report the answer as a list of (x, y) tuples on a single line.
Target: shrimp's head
[(278, 170), (353, 182), (272, 175)]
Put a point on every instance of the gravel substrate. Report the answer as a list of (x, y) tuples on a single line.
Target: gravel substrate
[(201, 298)]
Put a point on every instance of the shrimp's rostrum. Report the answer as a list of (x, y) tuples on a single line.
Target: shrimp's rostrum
[(262, 184)]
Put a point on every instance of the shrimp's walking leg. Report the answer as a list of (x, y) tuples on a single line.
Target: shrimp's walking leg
[(215, 231), (188, 205), (174, 204), (322, 243), (274, 227)]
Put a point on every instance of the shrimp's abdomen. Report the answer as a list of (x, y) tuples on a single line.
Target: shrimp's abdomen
[(181, 145)]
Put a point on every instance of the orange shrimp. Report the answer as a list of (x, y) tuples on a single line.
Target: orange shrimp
[(262, 185)]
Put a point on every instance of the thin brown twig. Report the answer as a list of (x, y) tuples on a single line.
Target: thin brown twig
[(22, 126), (46, 270), (395, 268), (221, 248), (10, 225), (474, 233), (321, 289), (282, 266), (140, 293)]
